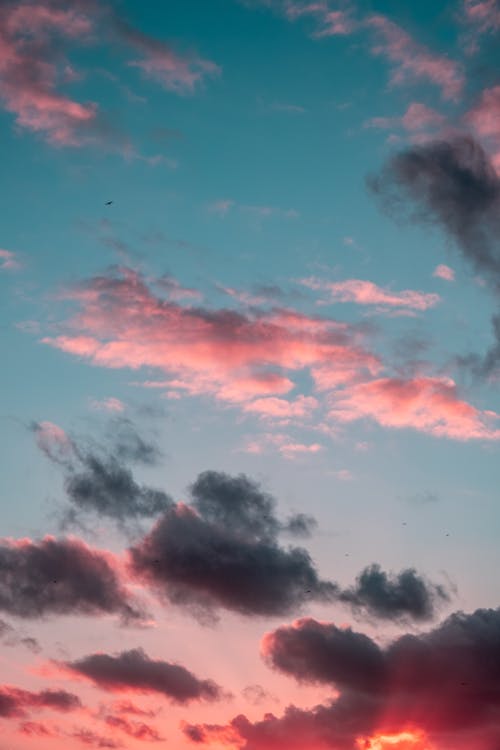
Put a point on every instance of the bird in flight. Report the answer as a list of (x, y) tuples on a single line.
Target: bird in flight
[(108, 203)]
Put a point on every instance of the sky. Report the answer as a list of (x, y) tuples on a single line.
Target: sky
[(250, 316)]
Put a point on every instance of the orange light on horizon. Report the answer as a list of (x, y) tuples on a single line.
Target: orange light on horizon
[(408, 740)]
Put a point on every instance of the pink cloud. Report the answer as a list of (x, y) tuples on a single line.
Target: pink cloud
[(330, 22), (367, 293), (181, 74), (29, 75), (223, 353), (284, 444), (413, 61), (484, 116), (9, 261), (425, 404), (485, 14), (444, 272)]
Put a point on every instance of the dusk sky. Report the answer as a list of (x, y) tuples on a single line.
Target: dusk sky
[(250, 417)]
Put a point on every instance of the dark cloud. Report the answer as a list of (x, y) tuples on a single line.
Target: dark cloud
[(134, 670), (93, 739), (107, 487), (15, 702), (451, 183), (405, 595), (63, 577), (224, 552), (444, 683), (97, 479)]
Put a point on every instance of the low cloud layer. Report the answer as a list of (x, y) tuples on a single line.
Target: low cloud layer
[(443, 685)]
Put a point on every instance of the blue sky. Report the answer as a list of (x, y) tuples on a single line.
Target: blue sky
[(294, 288)]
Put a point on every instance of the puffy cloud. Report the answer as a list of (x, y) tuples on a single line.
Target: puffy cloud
[(405, 595), (223, 552), (442, 686), (63, 577), (134, 671)]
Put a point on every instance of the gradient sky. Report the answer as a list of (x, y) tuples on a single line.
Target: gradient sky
[(249, 295)]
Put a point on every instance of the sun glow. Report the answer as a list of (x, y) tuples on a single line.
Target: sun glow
[(413, 740)]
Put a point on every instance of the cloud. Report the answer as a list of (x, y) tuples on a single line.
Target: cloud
[(444, 272), (392, 597), (11, 637), (414, 62), (483, 118), (34, 40), (15, 702), (134, 671), (161, 63), (97, 479), (442, 685), (229, 355), (429, 405), (223, 552), (137, 730), (417, 117), (110, 404), (451, 183), (9, 261), (61, 577), (362, 292)]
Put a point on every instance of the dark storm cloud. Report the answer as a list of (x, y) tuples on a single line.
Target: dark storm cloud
[(63, 577), (403, 595), (134, 670), (224, 552), (451, 183), (444, 683), (15, 702)]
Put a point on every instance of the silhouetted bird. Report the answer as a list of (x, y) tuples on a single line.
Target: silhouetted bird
[(109, 203)]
